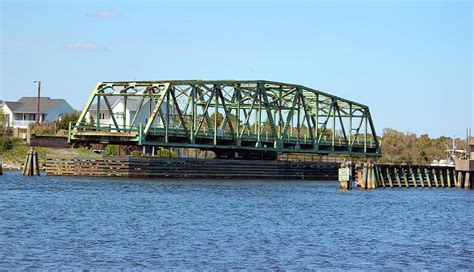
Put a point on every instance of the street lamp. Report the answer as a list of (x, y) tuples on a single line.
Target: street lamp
[(38, 105)]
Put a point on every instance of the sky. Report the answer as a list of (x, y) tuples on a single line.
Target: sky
[(410, 62)]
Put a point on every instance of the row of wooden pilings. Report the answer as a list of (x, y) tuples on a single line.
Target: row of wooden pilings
[(371, 176)]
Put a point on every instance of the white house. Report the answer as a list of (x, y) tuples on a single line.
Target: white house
[(117, 105), (22, 113)]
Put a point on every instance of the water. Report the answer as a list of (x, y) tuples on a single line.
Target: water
[(67, 222)]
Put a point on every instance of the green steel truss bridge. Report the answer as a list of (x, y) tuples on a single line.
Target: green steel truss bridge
[(231, 118)]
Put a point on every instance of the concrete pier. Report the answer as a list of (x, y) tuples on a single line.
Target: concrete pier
[(345, 176), (465, 169)]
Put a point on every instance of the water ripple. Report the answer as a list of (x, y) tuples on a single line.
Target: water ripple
[(71, 223)]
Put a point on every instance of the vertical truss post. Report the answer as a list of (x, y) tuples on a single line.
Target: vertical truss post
[(298, 125), (334, 105), (350, 127), (259, 114), (280, 116), (167, 118), (125, 112), (97, 115), (194, 109), (237, 121), (150, 102), (316, 133), (365, 134), (216, 112)]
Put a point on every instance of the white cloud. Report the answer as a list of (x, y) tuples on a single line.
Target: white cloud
[(106, 15), (79, 46)]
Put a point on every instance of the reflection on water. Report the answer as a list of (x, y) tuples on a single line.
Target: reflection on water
[(65, 222)]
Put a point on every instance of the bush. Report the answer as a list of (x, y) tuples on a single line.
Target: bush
[(136, 153), (5, 143), (47, 129), (63, 122), (165, 153), (110, 150)]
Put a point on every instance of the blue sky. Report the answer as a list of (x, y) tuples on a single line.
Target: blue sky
[(411, 62)]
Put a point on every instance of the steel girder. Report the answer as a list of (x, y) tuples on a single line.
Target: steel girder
[(254, 115)]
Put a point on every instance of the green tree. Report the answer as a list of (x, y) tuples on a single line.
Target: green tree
[(5, 140)]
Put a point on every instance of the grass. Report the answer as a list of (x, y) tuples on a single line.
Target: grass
[(17, 153)]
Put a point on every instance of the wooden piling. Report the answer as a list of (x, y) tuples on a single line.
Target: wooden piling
[(380, 175), (412, 174), (448, 177), (455, 178), (363, 183), (389, 177), (427, 175), (397, 176), (374, 177), (467, 181), (369, 177), (420, 177), (1, 169), (405, 178), (460, 180), (435, 177), (441, 177), (31, 166)]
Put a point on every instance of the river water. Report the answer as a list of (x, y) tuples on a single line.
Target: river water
[(69, 222)]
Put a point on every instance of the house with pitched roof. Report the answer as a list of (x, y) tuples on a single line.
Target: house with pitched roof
[(22, 113), (129, 112)]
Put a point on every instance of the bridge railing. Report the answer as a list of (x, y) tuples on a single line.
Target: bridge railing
[(208, 133)]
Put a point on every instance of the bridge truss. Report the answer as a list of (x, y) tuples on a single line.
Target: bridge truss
[(226, 116)]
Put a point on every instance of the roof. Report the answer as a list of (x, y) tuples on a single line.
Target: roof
[(132, 103), (30, 104)]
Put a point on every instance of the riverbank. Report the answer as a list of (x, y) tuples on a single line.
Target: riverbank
[(14, 157)]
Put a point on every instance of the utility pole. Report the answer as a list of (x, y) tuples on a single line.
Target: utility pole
[(38, 102)]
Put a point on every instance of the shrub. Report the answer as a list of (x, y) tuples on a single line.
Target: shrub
[(43, 129), (136, 153), (110, 150), (5, 143), (63, 121), (165, 153)]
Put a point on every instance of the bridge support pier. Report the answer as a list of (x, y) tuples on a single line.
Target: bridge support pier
[(345, 176)]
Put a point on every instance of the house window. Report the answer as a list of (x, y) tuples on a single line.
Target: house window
[(102, 115)]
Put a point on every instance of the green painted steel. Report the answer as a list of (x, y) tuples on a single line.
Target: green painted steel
[(226, 116)]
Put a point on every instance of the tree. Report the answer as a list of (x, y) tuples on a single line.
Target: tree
[(5, 140)]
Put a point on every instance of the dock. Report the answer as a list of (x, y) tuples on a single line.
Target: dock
[(372, 176)]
